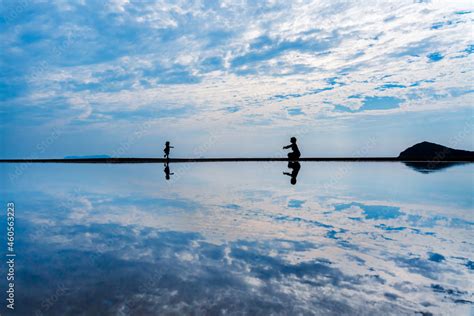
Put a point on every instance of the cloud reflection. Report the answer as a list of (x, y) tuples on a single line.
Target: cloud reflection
[(251, 247)]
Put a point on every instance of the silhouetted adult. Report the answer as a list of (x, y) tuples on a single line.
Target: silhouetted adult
[(295, 154), (295, 168)]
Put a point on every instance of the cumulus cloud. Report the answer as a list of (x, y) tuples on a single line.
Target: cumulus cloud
[(271, 63)]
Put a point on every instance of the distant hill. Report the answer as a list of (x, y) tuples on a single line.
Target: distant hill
[(427, 151), (87, 157)]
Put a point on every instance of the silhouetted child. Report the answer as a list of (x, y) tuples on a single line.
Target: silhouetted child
[(167, 150), (295, 154), (167, 171)]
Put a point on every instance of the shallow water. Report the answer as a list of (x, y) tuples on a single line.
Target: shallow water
[(238, 238)]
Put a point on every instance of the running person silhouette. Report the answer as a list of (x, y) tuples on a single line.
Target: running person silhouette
[(167, 150), (295, 154)]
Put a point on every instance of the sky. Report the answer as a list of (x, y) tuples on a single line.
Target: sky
[(234, 78)]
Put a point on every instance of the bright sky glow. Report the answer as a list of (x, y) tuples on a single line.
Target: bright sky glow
[(234, 79)]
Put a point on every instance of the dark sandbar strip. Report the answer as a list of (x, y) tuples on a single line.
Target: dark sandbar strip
[(189, 160)]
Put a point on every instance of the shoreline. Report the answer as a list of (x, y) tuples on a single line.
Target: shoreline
[(194, 160)]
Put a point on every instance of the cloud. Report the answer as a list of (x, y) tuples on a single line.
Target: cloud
[(295, 111), (143, 57), (295, 203), (195, 247), (267, 49), (175, 74)]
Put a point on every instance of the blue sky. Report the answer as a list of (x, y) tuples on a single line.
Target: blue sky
[(228, 79)]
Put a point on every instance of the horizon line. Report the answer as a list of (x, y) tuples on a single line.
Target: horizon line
[(234, 159)]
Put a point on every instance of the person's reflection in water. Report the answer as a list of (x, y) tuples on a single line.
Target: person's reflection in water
[(295, 168), (167, 171)]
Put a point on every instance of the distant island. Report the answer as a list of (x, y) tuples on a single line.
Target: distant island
[(426, 151), (431, 153)]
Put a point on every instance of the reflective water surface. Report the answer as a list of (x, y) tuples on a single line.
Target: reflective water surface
[(241, 238)]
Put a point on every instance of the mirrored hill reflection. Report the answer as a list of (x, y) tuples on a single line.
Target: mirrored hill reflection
[(348, 239), (434, 166)]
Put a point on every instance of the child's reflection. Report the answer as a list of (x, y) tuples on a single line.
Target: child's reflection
[(295, 168), (167, 171)]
